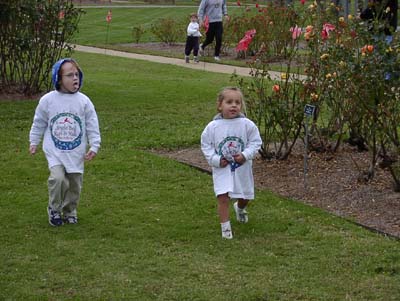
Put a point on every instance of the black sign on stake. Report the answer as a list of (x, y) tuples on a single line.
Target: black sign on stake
[(309, 112)]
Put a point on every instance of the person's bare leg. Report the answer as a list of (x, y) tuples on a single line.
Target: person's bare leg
[(223, 207)]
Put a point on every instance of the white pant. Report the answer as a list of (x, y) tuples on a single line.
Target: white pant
[(64, 190)]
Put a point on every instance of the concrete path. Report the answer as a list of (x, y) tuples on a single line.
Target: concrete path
[(211, 67)]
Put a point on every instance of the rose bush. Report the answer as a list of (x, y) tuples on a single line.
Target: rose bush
[(352, 77)]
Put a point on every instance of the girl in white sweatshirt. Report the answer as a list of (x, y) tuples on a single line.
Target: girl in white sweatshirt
[(67, 120), (229, 143)]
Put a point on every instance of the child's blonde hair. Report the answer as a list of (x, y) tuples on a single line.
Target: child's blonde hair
[(194, 15), (221, 96)]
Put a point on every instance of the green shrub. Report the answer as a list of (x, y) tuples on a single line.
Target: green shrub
[(167, 30)]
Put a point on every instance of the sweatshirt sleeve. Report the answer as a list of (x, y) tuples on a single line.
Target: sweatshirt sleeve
[(39, 124), (253, 142), (92, 127), (208, 148), (202, 9), (224, 8)]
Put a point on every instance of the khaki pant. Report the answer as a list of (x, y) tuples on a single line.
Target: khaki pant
[(64, 190)]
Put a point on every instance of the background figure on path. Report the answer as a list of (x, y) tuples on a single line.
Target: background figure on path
[(215, 10), (192, 39)]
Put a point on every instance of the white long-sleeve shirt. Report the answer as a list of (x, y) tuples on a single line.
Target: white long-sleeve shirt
[(225, 138), (67, 122), (193, 29)]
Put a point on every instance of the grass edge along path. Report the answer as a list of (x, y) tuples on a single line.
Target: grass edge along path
[(205, 66)]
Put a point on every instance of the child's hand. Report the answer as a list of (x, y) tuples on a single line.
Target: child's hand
[(90, 155), (239, 158), (223, 162), (33, 149)]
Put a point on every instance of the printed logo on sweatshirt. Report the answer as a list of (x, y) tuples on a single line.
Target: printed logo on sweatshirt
[(66, 131), (229, 147)]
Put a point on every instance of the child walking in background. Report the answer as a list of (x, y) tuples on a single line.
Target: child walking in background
[(229, 143), (67, 119), (192, 39)]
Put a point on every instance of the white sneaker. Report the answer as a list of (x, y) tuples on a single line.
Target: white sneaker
[(217, 58), (241, 214), (227, 234)]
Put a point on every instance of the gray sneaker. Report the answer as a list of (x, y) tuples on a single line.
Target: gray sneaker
[(70, 220), (196, 59), (187, 60), (241, 214)]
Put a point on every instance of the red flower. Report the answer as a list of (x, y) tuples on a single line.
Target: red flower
[(238, 3), (302, 2), (257, 5), (276, 88)]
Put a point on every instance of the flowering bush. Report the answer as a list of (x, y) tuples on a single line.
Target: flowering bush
[(269, 22), (352, 76)]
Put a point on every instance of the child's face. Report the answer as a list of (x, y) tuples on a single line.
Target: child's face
[(193, 19), (69, 78), (231, 106)]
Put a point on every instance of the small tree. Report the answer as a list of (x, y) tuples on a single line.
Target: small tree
[(137, 32), (168, 30)]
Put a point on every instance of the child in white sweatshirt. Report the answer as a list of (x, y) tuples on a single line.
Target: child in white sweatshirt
[(229, 143), (192, 39), (66, 118)]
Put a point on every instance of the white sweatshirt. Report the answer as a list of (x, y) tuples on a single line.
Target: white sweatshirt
[(67, 121), (227, 137), (193, 29)]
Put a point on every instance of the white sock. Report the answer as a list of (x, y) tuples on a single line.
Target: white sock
[(226, 226)]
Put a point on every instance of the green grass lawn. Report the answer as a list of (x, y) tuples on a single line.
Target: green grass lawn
[(148, 227)]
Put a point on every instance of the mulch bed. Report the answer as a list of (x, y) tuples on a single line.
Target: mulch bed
[(333, 183)]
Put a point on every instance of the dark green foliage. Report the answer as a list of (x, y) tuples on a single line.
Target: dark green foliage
[(167, 30), (33, 35)]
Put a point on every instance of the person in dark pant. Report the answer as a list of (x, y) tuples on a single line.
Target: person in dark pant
[(213, 11), (192, 39)]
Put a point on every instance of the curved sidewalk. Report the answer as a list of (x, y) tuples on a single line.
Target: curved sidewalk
[(219, 68)]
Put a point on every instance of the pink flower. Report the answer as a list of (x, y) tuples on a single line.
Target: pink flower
[(326, 28), (302, 2), (238, 3), (296, 32)]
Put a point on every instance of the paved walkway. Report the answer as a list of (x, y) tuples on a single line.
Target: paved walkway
[(211, 67)]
